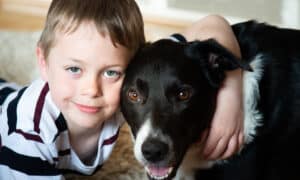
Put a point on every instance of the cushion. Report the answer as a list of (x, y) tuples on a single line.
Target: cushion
[(17, 56)]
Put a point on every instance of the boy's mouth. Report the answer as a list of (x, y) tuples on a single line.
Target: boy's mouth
[(87, 109)]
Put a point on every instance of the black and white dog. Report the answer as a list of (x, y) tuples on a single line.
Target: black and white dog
[(169, 97)]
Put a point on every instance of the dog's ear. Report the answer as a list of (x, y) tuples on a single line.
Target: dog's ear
[(214, 59)]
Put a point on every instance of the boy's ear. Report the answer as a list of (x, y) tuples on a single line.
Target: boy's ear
[(42, 64), (214, 60)]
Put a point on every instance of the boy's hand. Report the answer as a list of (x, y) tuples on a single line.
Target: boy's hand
[(225, 135)]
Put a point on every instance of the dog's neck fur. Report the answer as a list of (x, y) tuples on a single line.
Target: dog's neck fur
[(252, 117)]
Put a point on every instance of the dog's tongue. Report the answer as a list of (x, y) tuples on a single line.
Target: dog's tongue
[(158, 171)]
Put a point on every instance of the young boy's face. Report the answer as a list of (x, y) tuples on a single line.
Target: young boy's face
[(85, 73)]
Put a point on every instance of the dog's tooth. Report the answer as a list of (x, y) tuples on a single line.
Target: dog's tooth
[(159, 177)]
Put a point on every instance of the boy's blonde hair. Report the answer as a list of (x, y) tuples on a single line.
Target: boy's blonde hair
[(121, 19)]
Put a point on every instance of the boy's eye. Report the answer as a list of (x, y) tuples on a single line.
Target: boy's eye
[(74, 70), (112, 74)]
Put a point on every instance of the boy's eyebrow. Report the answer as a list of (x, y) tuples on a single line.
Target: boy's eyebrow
[(76, 60), (82, 62)]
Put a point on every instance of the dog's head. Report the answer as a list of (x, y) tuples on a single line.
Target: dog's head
[(168, 98)]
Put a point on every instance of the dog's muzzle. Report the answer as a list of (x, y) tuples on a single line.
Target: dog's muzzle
[(158, 160), (154, 150)]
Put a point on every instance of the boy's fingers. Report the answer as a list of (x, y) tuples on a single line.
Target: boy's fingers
[(241, 140), (218, 150), (231, 148), (210, 144)]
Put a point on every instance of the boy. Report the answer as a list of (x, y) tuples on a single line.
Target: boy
[(69, 119)]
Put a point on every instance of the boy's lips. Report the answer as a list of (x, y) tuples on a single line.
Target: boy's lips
[(88, 109)]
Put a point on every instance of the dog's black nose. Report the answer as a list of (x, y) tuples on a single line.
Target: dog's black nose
[(154, 150)]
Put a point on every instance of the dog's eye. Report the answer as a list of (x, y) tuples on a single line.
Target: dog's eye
[(133, 95), (184, 94)]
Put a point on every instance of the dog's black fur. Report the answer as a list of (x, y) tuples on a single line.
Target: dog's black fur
[(174, 85)]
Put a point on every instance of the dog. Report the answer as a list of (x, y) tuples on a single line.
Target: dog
[(168, 98)]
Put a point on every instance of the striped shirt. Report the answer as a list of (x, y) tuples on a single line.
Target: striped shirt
[(34, 142)]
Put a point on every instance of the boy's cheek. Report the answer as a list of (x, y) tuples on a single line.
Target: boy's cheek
[(114, 94)]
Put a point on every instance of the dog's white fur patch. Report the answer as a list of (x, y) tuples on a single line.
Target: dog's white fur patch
[(252, 117), (147, 131), (141, 136)]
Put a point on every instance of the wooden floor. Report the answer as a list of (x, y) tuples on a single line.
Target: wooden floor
[(20, 21), (29, 15), (23, 15)]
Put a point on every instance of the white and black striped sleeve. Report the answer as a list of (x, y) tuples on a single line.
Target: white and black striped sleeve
[(24, 154)]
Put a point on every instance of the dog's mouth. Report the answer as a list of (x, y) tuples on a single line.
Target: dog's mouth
[(159, 173)]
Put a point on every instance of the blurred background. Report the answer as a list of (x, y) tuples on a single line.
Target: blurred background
[(29, 14), (178, 13), (285, 12), (21, 22)]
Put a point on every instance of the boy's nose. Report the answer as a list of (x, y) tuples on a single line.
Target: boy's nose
[(92, 88)]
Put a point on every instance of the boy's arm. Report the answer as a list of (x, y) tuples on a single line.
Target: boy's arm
[(23, 154), (214, 26), (225, 136)]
